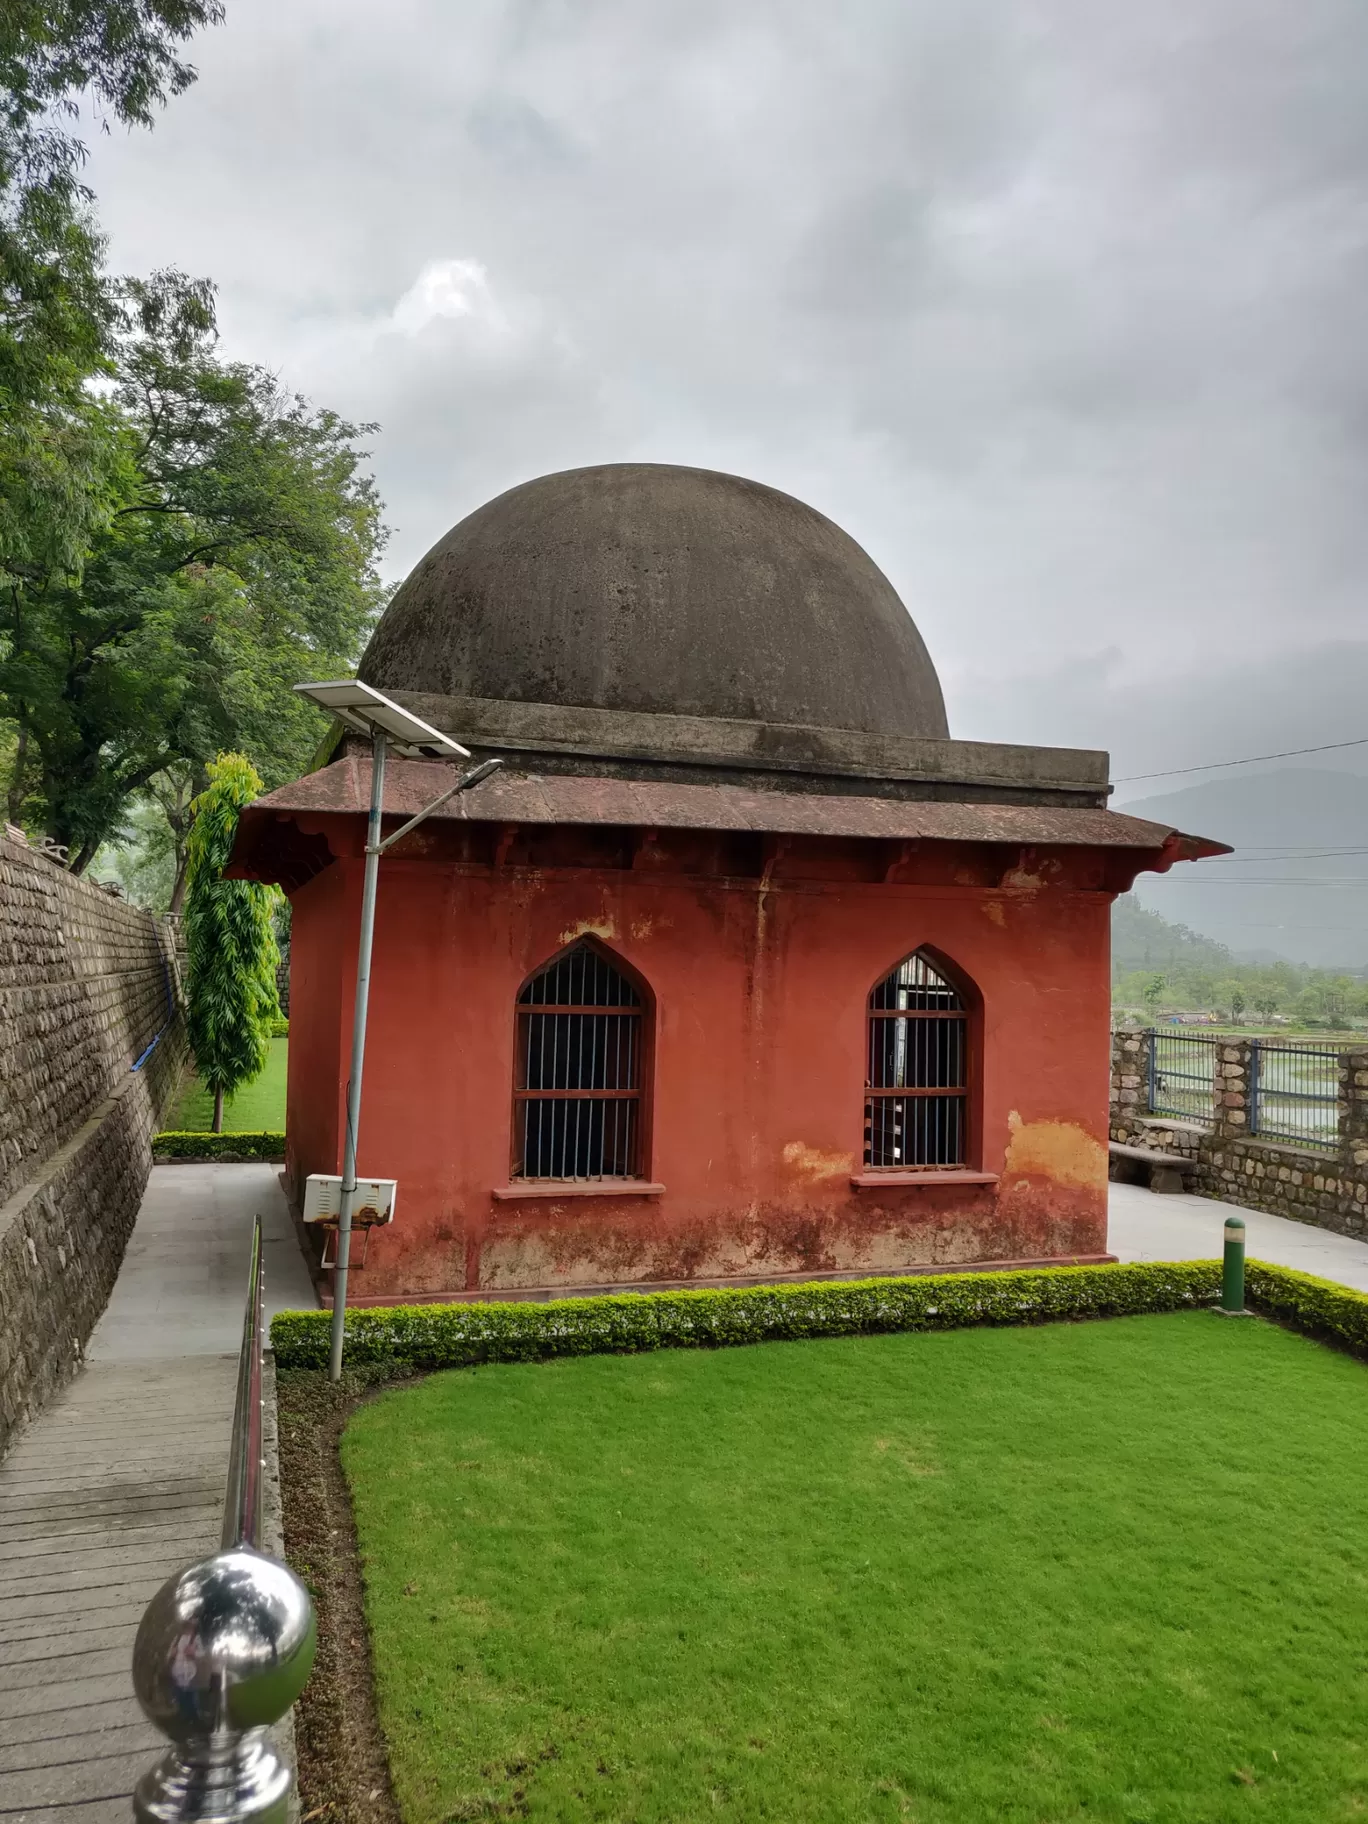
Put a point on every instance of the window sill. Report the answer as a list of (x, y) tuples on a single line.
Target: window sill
[(864, 1181), (576, 1187)]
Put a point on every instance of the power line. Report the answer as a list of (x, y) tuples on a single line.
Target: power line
[(1278, 880), (1253, 924), (1255, 858), (1289, 753)]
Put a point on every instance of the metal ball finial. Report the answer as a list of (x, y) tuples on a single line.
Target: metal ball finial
[(223, 1650)]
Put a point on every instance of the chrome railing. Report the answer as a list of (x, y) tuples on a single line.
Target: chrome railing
[(247, 1456), (225, 1647)]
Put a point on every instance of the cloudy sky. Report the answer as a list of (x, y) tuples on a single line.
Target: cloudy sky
[(1058, 307)]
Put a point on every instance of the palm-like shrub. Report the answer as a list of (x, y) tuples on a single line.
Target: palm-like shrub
[(230, 941)]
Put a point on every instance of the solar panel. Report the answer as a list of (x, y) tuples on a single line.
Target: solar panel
[(361, 708)]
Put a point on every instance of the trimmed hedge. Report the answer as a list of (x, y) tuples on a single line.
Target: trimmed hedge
[(458, 1336), (234, 1149), (1317, 1307)]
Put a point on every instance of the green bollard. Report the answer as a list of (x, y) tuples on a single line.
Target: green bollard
[(1233, 1268)]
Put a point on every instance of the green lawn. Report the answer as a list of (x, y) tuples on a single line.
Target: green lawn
[(258, 1108), (1107, 1571)]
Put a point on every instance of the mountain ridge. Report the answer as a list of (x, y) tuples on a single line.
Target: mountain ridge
[(1295, 888)]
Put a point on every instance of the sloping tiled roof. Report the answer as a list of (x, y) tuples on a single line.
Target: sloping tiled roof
[(527, 798)]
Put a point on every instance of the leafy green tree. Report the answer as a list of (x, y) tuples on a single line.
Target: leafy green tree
[(239, 560), (230, 941), (63, 458), (143, 861), (1231, 994), (123, 51), (1152, 992)]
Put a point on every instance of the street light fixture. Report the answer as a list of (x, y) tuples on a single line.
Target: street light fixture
[(365, 711)]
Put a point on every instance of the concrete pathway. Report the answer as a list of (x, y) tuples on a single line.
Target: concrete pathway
[(1146, 1226), (119, 1483)]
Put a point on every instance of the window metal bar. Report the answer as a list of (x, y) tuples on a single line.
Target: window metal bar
[(579, 1075), (916, 1092), (610, 1094), (917, 1013), (558, 1008), (908, 1094)]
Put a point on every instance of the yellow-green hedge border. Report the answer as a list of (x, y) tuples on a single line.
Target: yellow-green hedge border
[(458, 1335), (235, 1148), (425, 1337)]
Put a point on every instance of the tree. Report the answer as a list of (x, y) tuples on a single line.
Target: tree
[(239, 560), (1152, 992), (85, 363), (1339, 994), (124, 51), (230, 941), (61, 453), (143, 861), (173, 791)]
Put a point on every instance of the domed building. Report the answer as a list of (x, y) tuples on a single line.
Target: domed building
[(740, 968)]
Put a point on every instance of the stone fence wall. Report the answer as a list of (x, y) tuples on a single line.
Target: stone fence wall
[(1321, 1185), (92, 1048)]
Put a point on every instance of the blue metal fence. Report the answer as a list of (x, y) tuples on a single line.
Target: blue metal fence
[(1293, 1089), (1294, 1094), (1181, 1069)]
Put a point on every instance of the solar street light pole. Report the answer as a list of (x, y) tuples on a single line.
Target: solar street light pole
[(375, 848), (360, 1007), (367, 711)]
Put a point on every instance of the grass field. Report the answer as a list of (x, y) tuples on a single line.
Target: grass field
[(258, 1108), (1110, 1571)]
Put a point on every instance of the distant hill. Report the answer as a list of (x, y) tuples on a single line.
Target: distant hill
[(1144, 940), (1297, 885)]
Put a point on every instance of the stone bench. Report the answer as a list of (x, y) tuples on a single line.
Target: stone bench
[(1166, 1170)]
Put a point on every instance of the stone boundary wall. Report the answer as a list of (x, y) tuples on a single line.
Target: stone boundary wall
[(1325, 1187), (92, 1048)]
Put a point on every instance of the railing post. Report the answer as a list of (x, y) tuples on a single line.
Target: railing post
[(1150, 1037), (1128, 1081), (1353, 1112), (1254, 1056), (1230, 1089), (226, 1646)]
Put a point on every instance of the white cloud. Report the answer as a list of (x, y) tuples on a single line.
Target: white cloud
[(451, 290), (1057, 307)]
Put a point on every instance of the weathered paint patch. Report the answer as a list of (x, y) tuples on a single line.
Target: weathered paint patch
[(993, 909), (1023, 880), (815, 1166), (1060, 1150), (606, 928)]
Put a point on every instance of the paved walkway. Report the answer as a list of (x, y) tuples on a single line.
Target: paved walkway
[(1146, 1226), (119, 1483)]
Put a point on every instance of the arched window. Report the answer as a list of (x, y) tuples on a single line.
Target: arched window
[(579, 1071), (916, 1091)]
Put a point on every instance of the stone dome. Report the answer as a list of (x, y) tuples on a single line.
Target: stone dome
[(649, 588)]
